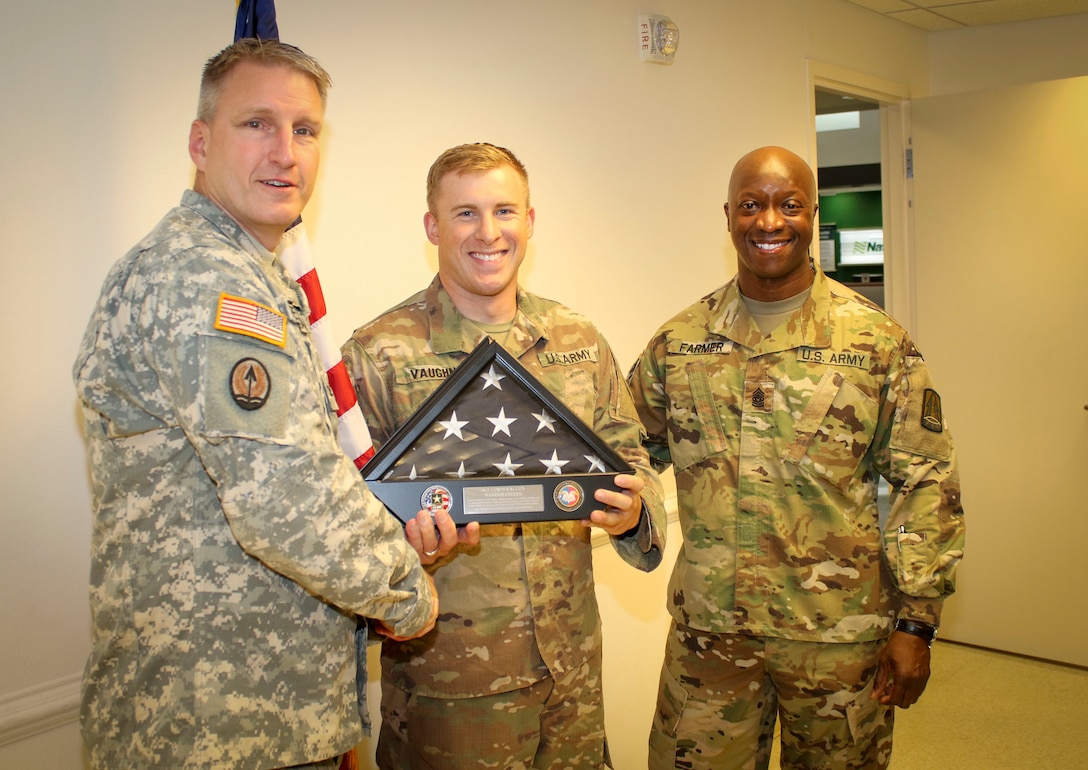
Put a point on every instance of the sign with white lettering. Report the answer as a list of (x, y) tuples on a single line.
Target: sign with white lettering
[(861, 246)]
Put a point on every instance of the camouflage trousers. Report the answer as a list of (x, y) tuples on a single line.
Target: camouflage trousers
[(720, 695), (556, 723)]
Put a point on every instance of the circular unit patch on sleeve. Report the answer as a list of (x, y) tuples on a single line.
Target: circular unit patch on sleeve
[(250, 384)]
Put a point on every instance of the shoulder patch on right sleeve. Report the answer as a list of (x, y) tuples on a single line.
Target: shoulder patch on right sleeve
[(919, 424)]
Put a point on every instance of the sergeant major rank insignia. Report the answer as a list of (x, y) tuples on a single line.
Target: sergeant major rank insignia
[(760, 396)]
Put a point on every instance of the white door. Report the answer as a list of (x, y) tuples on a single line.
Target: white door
[(1000, 245)]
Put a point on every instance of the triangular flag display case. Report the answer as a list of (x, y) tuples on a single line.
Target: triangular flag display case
[(492, 444)]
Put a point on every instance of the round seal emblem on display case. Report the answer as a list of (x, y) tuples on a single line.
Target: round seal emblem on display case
[(436, 498), (568, 496)]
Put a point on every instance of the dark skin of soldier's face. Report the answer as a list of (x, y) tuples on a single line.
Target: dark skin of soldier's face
[(771, 213)]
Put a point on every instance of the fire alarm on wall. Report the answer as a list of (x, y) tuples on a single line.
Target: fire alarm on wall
[(658, 38)]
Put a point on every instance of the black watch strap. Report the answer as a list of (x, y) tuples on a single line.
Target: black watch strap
[(916, 628)]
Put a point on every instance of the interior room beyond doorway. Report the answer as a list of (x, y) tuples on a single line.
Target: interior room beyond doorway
[(849, 181)]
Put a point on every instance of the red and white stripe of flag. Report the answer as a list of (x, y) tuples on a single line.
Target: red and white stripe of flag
[(294, 252)]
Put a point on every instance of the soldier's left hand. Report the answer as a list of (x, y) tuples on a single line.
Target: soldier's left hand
[(385, 630), (435, 536), (622, 509), (902, 671)]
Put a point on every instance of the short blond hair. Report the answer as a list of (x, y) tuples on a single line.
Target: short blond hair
[(472, 159)]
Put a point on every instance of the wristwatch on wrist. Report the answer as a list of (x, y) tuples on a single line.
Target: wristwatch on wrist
[(917, 628)]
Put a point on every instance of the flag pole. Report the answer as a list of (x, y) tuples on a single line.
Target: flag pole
[(257, 19)]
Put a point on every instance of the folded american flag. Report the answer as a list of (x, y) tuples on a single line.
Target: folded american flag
[(490, 420)]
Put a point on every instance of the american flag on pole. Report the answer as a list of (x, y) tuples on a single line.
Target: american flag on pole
[(352, 432), (493, 444), (257, 19)]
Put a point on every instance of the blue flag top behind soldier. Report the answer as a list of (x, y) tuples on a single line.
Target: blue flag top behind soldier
[(256, 18)]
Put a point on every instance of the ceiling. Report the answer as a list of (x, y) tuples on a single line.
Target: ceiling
[(938, 15)]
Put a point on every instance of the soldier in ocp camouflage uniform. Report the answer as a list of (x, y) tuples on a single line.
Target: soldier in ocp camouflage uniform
[(779, 399), (234, 543), (511, 676)]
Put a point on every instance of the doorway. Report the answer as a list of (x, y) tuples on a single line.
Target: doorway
[(848, 178), (884, 106)]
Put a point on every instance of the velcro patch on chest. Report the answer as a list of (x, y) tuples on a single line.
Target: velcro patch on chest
[(569, 357), (849, 358), (410, 374), (709, 347), (759, 396)]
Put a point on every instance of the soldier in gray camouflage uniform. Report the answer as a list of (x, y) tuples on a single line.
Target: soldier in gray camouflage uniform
[(779, 400), (234, 543), (511, 676)]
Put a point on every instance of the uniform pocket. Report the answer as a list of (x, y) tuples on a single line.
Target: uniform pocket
[(834, 432), (911, 557), (671, 698), (580, 394), (871, 729), (695, 427)]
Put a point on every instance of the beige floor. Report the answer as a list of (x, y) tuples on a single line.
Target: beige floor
[(985, 710)]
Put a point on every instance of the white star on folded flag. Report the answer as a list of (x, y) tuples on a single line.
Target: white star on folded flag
[(492, 379), (595, 463), (507, 468), (502, 422), (554, 465), (545, 420), (453, 426), (461, 472)]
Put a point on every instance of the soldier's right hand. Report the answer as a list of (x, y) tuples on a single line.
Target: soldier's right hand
[(434, 536)]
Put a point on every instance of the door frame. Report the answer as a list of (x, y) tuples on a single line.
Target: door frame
[(894, 100)]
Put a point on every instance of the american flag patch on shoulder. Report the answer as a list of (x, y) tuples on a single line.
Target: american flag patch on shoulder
[(244, 316)]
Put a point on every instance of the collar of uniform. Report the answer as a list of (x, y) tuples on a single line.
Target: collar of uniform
[(526, 332), (225, 223), (814, 329), (446, 329)]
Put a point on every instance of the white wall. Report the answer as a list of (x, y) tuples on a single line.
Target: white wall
[(1008, 54), (628, 162)]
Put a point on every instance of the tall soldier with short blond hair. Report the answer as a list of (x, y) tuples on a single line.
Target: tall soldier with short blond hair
[(779, 400), (511, 675)]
